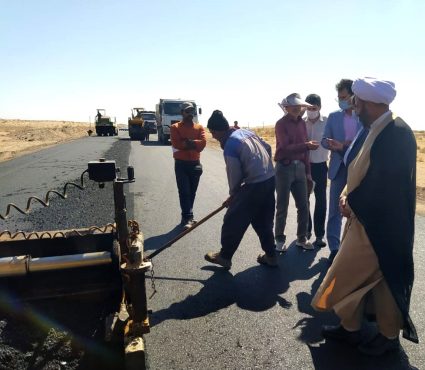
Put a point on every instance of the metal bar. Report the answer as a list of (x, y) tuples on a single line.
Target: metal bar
[(121, 215), (181, 235), (70, 261), (13, 266), (21, 265)]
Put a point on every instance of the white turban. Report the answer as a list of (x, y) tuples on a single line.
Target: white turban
[(374, 90)]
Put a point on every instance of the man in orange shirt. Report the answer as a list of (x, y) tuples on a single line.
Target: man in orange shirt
[(188, 141)]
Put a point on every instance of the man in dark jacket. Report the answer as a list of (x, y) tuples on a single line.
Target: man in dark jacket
[(374, 267)]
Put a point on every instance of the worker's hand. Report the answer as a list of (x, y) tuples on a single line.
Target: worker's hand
[(344, 208), (312, 145), (335, 145), (227, 202), (190, 144)]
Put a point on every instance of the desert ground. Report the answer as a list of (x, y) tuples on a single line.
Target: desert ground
[(18, 137)]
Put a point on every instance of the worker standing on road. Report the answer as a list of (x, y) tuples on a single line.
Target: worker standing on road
[(250, 174), (147, 130), (188, 141)]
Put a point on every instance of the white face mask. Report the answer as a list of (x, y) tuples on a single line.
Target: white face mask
[(313, 114)]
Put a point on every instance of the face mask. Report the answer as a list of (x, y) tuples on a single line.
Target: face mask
[(313, 114), (343, 104)]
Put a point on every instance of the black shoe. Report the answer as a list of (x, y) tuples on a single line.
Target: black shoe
[(332, 256), (379, 345), (319, 242), (338, 332)]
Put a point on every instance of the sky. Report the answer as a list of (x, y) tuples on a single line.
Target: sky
[(62, 59)]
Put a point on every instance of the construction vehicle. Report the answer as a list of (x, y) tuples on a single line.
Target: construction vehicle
[(100, 261), (141, 124), (104, 124), (168, 111)]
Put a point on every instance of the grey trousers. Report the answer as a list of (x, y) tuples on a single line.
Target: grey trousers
[(291, 179)]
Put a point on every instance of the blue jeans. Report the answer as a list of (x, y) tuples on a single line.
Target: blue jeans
[(333, 227), (188, 174)]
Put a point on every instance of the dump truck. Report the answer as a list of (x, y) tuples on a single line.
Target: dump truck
[(104, 124), (141, 124), (168, 111)]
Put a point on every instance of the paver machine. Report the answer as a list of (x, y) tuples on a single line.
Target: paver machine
[(102, 260), (105, 125)]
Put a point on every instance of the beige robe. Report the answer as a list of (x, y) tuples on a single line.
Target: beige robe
[(355, 279)]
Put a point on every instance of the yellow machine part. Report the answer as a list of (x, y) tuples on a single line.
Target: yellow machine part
[(136, 122)]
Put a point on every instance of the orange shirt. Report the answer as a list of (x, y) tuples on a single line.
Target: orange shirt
[(179, 133)]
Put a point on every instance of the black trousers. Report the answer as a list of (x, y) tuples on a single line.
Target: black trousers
[(188, 174), (319, 174), (252, 205)]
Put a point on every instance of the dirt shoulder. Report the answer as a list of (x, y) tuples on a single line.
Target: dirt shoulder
[(18, 137)]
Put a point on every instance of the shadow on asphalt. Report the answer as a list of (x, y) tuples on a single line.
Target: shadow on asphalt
[(155, 242), (257, 288), (337, 356), (260, 288)]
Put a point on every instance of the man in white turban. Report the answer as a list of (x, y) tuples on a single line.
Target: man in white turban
[(373, 271)]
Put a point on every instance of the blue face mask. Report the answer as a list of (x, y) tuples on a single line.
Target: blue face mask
[(343, 104)]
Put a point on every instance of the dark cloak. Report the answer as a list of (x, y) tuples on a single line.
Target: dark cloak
[(384, 203)]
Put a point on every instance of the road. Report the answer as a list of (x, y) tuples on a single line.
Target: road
[(251, 317)]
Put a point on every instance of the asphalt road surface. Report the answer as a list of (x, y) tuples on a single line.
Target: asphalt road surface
[(203, 317)]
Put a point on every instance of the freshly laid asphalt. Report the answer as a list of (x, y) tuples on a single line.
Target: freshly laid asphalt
[(251, 317)]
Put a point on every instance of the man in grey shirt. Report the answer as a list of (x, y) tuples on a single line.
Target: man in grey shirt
[(250, 175)]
